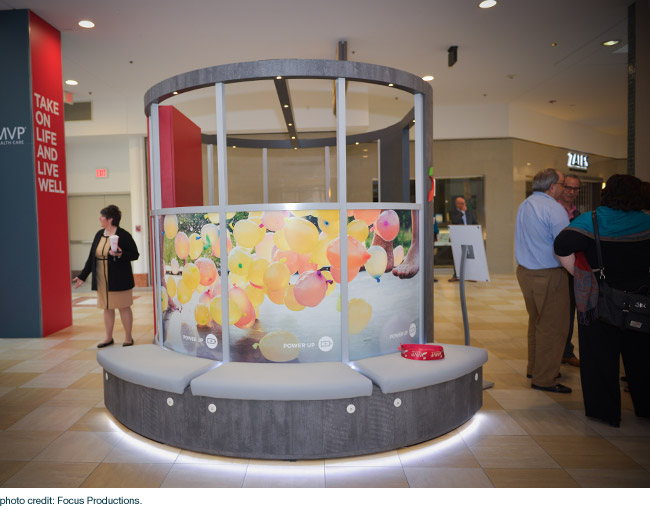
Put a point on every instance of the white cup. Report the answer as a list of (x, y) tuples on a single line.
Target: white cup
[(113, 239)]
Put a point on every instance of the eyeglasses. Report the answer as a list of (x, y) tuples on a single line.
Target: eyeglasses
[(572, 188), (559, 184)]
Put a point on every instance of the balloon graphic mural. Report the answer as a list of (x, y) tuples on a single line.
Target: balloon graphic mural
[(282, 269)]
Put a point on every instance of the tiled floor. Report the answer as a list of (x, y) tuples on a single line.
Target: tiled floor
[(55, 431)]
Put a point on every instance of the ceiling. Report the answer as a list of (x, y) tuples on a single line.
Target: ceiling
[(505, 54)]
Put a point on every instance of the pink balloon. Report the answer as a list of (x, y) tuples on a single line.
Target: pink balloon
[(310, 288), (208, 271), (357, 253), (274, 220), (305, 263), (387, 225), (239, 297), (181, 245)]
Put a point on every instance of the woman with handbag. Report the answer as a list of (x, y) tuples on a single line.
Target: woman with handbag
[(620, 243), (111, 253)]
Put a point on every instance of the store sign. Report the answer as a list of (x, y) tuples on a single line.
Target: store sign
[(577, 161), (101, 172)]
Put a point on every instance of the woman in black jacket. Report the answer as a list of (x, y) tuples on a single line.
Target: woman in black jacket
[(112, 274)]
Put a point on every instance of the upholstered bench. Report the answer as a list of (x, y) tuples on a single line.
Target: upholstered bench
[(152, 366), (393, 373), (282, 382)]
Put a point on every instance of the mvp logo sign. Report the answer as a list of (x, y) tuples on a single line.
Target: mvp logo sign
[(11, 134)]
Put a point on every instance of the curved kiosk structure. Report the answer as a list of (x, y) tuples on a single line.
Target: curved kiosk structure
[(319, 292)]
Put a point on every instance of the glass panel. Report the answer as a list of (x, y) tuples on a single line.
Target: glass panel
[(190, 268), (383, 304), (283, 301), (447, 191)]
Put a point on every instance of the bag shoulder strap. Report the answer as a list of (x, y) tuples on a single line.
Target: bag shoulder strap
[(594, 217)]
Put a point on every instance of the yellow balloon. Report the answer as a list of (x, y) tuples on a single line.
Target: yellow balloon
[(276, 276), (212, 217), (164, 299), (290, 300), (328, 221), (302, 213), (170, 226), (301, 235), (255, 294), (276, 296), (183, 292), (236, 279), (256, 214), (319, 254), (171, 286), (202, 314), (359, 313), (248, 234), (279, 346), (191, 276), (330, 286), (239, 260), (280, 241), (196, 246), (358, 229), (256, 271), (398, 255), (234, 312), (181, 245), (376, 264), (210, 234)]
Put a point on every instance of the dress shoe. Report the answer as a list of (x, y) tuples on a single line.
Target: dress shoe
[(559, 388), (128, 344), (574, 361), (104, 344)]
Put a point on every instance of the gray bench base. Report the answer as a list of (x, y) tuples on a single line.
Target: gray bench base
[(295, 429)]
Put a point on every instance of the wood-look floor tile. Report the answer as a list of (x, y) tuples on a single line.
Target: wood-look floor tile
[(9, 468), (272, 474), (638, 448), (551, 422), (16, 379), (98, 420), (513, 399), (127, 476), (77, 397), (34, 366), (24, 445), (190, 457), (359, 477), (28, 398), (516, 451), (489, 403), (80, 447), (5, 390), (385, 459), (75, 366), (447, 451), (54, 380), (627, 478), (585, 452), (491, 422), (6, 364), (90, 381), (9, 416), (530, 478), (49, 475), (47, 418), (135, 448), (20, 354), (507, 380), (446, 477), (205, 475)]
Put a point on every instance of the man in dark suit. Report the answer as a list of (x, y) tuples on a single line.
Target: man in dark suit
[(461, 215)]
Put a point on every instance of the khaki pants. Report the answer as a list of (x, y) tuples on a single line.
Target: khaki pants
[(546, 293)]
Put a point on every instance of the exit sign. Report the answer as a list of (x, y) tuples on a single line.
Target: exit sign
[(101, 172)]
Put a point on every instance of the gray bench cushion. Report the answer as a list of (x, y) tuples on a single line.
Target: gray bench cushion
[(282, 382), (152, 366), (392, 373)]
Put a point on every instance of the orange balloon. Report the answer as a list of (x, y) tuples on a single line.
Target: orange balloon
[(368, 216), (357, 253), (289, 258), (239, 297), (336, 273)]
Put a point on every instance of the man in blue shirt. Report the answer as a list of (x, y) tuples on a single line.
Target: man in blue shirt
[(542, 279)]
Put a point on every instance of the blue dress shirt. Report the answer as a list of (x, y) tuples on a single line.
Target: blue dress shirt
[(540, 219)]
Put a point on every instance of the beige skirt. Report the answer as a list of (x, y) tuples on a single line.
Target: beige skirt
[(105, 299)]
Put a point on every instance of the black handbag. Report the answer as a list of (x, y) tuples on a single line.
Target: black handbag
[(625, 310)]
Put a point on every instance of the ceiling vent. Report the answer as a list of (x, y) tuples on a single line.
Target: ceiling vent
[(79, 111)]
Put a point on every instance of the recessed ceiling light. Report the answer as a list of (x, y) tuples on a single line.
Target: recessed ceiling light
[(286, 105), (289, 124), (234, 146), (356, 143), (486, 4), (175, 93), (293, 137), (71, 82), (554, 44), (86, 24), (611, 42), (427, 78), (279, 77), (391, 84)]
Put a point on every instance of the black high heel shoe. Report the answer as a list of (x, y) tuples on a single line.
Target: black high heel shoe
[(128, 343), (104, 344)]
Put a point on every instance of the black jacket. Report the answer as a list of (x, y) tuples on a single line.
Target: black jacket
[(456, 217), (120, 275)]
